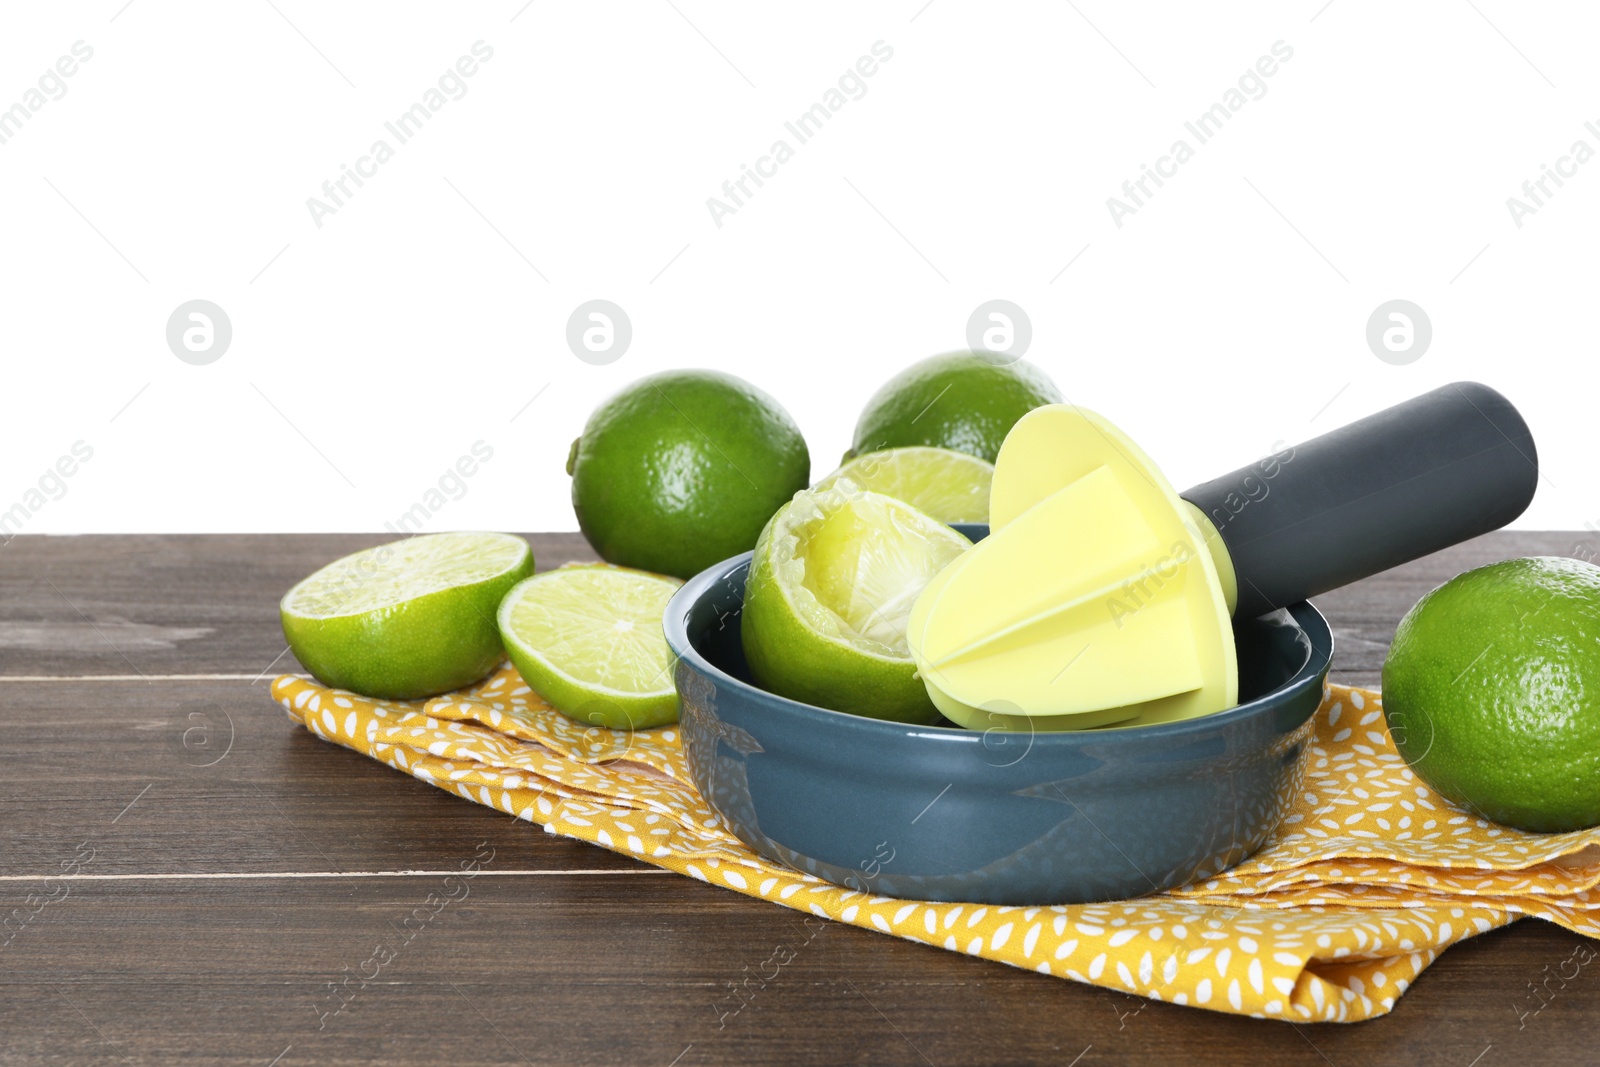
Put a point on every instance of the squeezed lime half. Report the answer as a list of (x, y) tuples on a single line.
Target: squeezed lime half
[(831, 586)]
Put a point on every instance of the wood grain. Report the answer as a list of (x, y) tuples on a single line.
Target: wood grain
[(574, 969), (165, 605), (212, 776), (239, 865)]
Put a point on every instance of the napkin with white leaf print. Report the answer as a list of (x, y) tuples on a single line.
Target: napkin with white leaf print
[(1369, 878)]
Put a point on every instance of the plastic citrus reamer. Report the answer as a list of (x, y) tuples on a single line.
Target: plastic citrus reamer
[(1103, 597)]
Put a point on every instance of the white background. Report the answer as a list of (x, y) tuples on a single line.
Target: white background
[(369, 354)]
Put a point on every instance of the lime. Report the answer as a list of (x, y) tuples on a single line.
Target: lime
[(831, 586), (409, 619), (948, 486), (681, 470), (966, 401), (1492, 692), (588, 640)]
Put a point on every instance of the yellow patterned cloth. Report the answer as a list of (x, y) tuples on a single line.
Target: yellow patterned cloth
[(1370, 877)]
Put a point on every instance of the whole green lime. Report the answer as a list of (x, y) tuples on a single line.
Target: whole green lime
[(964, 401), (681, 470), (1492, 692)]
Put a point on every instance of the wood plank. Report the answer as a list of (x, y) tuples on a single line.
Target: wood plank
[(159, 605), (578, 970), (147, 775), (170, 604)]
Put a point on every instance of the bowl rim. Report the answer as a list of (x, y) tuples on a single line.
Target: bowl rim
[(1312, 673)]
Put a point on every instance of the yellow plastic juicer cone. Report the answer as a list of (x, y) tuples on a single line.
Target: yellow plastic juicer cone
[(1092, 561), (1102, 597)]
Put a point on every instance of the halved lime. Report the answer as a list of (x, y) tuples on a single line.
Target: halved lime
[(588, 639), (408, 619), (948, 486), (831, 586)]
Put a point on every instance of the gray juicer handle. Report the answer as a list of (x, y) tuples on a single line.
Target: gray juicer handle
[(1412, 479)]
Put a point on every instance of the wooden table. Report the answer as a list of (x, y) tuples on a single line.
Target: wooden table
[(225, 870)]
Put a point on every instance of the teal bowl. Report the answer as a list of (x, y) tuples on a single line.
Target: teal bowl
[(945, 813)]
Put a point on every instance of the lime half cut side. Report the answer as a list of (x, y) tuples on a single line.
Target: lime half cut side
[(409, 619), (588, 639), (945, 485)]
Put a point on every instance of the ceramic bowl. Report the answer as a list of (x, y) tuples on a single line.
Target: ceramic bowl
[(945, 813)]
